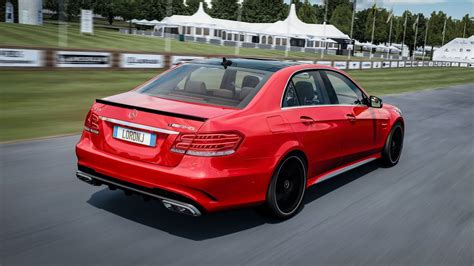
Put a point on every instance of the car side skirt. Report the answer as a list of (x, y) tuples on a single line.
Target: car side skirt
[(340, 170)]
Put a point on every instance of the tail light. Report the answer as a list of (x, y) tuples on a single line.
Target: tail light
[(92, 123), (207, 144)]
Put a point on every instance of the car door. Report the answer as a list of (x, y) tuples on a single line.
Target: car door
[(306, 107), (361, 120)]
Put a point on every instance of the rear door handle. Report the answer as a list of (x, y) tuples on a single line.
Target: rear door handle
[(351, 117), (307, 120)]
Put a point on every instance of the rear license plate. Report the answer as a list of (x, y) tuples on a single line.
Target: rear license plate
[(139, 137)]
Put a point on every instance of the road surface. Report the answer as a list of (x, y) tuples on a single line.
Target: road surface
[(419, 212)]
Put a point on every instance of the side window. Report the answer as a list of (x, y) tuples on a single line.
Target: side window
[(346, 91), (290, 98), (304, 90)]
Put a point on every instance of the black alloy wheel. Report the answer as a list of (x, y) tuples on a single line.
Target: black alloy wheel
[(393, 147), (286, 190)]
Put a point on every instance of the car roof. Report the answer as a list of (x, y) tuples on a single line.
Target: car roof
[(256, 64)]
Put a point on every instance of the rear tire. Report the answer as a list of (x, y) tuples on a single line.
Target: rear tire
[(286, 190), (393, 146)]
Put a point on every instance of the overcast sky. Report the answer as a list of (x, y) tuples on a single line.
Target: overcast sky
[(454, 8)]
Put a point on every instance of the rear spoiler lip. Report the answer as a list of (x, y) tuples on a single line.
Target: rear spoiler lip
[(154, 111)]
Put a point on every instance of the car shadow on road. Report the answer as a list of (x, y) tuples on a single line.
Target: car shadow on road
[(209, 226)]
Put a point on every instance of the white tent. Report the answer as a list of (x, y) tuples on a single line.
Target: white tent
[(457, 50), (291, 27)]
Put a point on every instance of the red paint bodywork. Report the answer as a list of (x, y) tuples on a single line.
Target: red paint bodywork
[(242, 178)]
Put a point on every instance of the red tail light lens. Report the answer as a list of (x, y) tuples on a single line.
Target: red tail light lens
[(92, 123), (207, 144)]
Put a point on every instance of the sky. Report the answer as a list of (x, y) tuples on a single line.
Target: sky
[(455, 8)]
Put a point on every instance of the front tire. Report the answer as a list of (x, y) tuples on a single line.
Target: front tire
[(393, 146), (287, 187)]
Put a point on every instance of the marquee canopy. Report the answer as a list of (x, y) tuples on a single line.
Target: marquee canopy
[(292, 26), (457, 50)]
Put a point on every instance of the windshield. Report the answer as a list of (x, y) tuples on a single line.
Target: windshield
[(209, 84)]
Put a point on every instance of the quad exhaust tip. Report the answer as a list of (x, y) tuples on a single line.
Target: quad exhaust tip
[(172, 205), (181, 208)]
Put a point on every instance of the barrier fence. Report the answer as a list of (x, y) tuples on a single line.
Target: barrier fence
[(77, 58)]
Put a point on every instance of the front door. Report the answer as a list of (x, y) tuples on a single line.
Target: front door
[(361, 120)]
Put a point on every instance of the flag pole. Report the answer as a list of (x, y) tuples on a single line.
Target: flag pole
[(426, 36), (354, 4), (416, 33), (324, 26), (390, 35), (444, 30), (404, 32), (373, 30)]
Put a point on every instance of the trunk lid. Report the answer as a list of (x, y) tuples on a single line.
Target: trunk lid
[(161, 119)]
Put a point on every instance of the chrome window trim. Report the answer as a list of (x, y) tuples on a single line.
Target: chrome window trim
[(321, 105), (140, 126)]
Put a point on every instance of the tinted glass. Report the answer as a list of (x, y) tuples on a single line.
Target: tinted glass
[(305, 88), (346, 91), (210, 84)]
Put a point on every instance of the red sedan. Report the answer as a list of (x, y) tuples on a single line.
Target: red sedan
[(218, 134)]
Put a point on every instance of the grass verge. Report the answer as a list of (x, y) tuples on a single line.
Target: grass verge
[(50, 34), (45, 103)]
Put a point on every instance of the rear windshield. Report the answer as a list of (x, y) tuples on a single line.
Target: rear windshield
[(209, 84)]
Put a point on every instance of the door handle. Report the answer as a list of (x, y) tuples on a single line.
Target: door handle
[(351, 117), (307, 120)]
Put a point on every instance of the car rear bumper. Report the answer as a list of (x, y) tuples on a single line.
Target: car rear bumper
[(207, 184)]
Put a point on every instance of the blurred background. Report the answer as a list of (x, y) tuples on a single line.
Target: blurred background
[(58, 56)]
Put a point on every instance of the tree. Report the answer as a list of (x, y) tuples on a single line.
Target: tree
[(306, 12), (225, 9), (64, 9), (264, 11), (107, 9), (333, 4), (341, 18), (360, 22), (128, 10)]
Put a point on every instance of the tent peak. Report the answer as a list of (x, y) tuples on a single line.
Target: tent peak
[(292, 13), (201, 8)]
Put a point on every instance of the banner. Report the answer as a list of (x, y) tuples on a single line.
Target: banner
[(376, 64), (366, 65), (401, 64), (354, 65), (386, 64), (142, 61), (340, 64), (463, 65), (324, 63), (420, 63), (87, 21), (20, 58), (394, 64), (305, 61), (178, 59), (82, 59)]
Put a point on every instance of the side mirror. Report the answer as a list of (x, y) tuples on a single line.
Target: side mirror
[(375, 102)]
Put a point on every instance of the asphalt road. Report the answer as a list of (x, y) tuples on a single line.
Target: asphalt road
[(419, 212)]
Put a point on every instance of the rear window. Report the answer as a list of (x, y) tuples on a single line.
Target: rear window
[(209, 84)]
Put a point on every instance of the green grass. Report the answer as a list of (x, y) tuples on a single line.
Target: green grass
[(46, 103), (390, 81), (48, 36)]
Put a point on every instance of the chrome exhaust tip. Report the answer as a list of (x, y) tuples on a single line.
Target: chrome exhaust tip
[(87, 179), (179, 207)]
